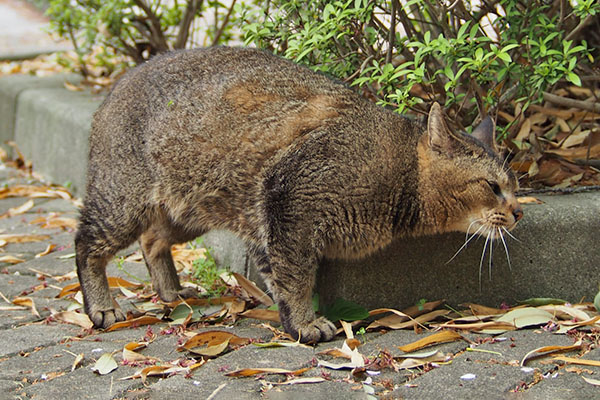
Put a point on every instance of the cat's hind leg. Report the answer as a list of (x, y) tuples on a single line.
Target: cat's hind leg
[(156, 244), (103, 231)]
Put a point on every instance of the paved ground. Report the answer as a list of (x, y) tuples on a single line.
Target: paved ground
[(37, 353), (23, 31)]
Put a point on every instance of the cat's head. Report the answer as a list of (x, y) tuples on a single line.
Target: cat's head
[(464, 184)]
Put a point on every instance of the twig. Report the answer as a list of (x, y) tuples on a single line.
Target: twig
[(568, 102), (223, 25), (4, 298), (391, 35), (79, 53), (582, 24), (157, 35), (184, 26), (217, 390)]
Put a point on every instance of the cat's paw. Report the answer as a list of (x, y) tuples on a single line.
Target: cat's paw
[(319, 330), (105, 318)]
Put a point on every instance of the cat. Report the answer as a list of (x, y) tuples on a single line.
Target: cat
[(297, 165)]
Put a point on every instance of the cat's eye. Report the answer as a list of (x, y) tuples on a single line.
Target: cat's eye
[(495, 188)]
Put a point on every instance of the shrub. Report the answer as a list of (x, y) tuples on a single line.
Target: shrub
[(405, 54), (138, 28)]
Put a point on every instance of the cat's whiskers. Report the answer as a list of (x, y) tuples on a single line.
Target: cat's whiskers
[(466, 243), (487, 239), (505, 248), (492, 238), (470, 225), (510, 234)]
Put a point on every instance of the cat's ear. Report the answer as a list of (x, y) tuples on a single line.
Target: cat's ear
[(485, 132), (439, 136)]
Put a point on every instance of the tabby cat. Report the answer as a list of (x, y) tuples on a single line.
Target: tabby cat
[(297, 165)]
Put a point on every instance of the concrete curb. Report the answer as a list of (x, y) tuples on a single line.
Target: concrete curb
[(557, 255)]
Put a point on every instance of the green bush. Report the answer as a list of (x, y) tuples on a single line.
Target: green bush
[(139, 29), (403, 54), (407, 53)]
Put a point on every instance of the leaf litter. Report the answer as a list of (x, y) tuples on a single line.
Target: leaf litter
[(243, 299)]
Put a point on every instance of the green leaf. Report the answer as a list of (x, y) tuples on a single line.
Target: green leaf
[(505, 57), (345, 310), (181, 312), (572, 77), (597, 302)]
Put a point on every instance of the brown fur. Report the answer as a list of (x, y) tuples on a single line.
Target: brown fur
[(297, 165)]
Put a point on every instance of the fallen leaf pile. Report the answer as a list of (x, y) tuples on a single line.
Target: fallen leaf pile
[(554, 145), (243, 299)]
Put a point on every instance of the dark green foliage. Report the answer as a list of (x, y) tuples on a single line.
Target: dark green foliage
[(345, 310)]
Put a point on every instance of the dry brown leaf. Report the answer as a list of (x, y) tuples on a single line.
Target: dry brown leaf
[(143, 320), (237, 306), (72, 288), (416, 310), (591, 381), (529, 200), (566, 312), (409, 363), (580, 152), (130, 352), (478, 309), (314, 379), (477, 326), (53, 222), (72, 317), (578, 361), (22, 209), (576, 139), (162, 370), (211, 351), (212, 338), (202, 302), (335, 352), (10, 259), (524, 130), (352, 343), (396, 321), (34, 191), (262, 314), (547, 350), (113, 282), (48, 250), (253, 290), (437, 338), (27, 302), (71, 87), (77, 361), (256, 371), (23, 238)]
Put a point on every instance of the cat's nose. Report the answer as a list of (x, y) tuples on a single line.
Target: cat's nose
[(518, 213)]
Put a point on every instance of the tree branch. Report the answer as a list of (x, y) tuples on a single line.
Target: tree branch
[(223, 25), (391, 34), (568, 102), (184, 26), (582, 24), (158, 39)]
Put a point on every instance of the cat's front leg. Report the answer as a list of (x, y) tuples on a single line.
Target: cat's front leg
[(292, 287)]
